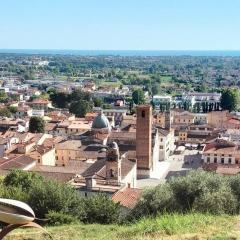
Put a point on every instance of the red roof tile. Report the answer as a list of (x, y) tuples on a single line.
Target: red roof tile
[(128, 198)]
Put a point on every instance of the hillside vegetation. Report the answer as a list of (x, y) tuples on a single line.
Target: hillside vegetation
[(176, 226), (199, 206)]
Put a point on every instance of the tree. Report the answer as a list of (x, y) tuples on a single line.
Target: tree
[(80, 108), (46, 196), (230, 99), (3, 97), (59, 99), (4, 112), (12, 109), (201, 88), (155, 89), (78, 95), (98, 102), (22, 179), (138, 96), (36, 125), (101, 209)]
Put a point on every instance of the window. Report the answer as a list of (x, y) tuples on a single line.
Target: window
[(229, 160), (160, 147), (143, 114), (222, 155), (222, 160), (161, 139), (208, 159), (215, 160), (85, 194), (215, 155), (236, 161), (111, 173)]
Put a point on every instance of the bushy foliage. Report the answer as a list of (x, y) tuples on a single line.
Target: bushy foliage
[(230, 99), (159, 199), (21, 179), (53, 196), (101, 209), (59, 218), (199, 191), (58, 202), (36, 125), (138, 96), (220, 202)]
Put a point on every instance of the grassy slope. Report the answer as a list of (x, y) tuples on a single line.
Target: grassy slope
[(172, 227)]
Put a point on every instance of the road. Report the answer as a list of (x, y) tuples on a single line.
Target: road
[(178, 165)]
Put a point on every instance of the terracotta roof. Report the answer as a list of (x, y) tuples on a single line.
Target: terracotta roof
[(40, 101), (94, 168), (17, 161), (123, 135), (228, 170), (163, 132), (74, 166), (128, 198), (50, 126), (234, 121), (221, 147), (98, 169), (48, 142), (69, 145), (58, 176)]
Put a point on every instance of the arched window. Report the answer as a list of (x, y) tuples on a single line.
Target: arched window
[(111, 173), (143, 114)]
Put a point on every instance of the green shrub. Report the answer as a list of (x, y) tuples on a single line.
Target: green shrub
[(22, 179), (59, 218), (219, 202), (13, 193), (154, 201), (198, 191), (101, 209), (54, 196)]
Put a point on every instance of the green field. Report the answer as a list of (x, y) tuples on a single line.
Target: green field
[(171, 227), (109, 83)]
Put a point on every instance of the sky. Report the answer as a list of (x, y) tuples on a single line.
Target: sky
[(120, 24)]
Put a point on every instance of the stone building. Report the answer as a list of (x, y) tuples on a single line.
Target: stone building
[(109, 174)]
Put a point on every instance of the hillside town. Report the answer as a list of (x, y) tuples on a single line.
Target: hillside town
[(119, 150)]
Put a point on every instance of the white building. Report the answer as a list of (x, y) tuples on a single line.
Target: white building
[(166, 143), (194, 97)]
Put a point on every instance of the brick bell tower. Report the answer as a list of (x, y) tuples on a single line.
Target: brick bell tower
[(144, 139)]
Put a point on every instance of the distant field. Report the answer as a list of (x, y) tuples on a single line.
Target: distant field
[(166, 227), (166, 78), (108, 83)]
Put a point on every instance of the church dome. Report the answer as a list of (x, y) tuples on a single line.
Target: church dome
[(101, 122)]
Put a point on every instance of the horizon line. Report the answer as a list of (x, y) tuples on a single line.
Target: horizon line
[(66, 49)]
